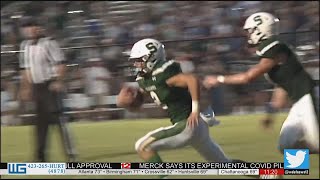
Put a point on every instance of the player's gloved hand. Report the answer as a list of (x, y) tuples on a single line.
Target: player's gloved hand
[(210, 81), (193, 120)]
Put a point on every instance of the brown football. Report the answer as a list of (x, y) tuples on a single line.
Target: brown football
[(136, 102), (130, 98)]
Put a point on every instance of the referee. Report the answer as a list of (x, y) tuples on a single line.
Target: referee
[(42, 72)]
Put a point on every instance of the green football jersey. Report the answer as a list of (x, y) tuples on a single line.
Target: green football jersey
[(175, 100), (289, 75)]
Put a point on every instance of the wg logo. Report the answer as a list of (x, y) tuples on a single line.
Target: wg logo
[(296, 158), (17, 168)]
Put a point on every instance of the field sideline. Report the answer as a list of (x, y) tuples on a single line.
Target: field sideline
[(240, 136)]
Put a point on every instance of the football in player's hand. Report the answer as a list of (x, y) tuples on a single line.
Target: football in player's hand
[(130, 98)]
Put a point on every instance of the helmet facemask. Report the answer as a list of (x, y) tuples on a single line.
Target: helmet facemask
[(143, 65), (254, 36)]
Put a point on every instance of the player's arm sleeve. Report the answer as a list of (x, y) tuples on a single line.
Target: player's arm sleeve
[(172, 70), (175, 77), (273, 50), (55, 54)]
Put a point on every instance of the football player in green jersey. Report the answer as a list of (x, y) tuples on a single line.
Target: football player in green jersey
[(279, 64), (178, 94)]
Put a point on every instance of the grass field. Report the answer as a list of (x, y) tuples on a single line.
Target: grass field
[(113, 141)]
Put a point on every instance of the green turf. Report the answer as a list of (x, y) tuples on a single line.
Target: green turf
[(240, 136)]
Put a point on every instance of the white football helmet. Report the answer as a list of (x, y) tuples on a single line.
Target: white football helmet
[(150, 51), (261, 26)]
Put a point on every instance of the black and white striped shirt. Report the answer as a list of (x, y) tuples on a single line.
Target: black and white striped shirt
[(41, 58)]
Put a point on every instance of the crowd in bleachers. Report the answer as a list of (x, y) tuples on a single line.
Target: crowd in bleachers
[(117, 24)]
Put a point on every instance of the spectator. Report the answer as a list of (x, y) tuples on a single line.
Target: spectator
[(8, 105), (78, 100), (97, 85), (144, 29), (112, 32), (185, 62)]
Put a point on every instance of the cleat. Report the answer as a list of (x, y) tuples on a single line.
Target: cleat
[(209, 117)]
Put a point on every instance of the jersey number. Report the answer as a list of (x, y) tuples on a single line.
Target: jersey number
[(156, 99)]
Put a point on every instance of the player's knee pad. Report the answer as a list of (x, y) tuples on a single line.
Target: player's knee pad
[(289, 137)]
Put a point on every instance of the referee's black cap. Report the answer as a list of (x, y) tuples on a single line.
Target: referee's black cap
[(30, 21)]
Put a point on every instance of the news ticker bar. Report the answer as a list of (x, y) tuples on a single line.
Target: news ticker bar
[(170, 165), (186, 165), (96, 168)]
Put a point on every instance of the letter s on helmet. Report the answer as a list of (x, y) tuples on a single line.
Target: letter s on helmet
[(151, 51), (261, 26)]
